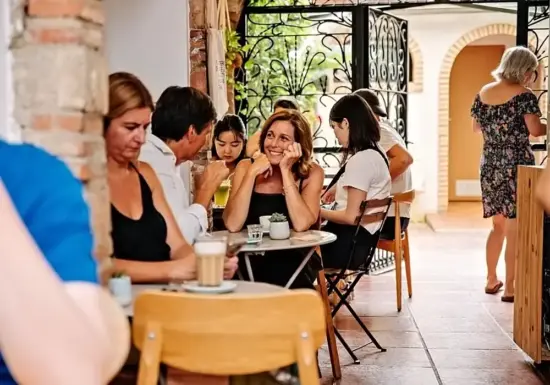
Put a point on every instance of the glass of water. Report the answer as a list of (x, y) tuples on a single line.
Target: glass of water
[(255, 233)]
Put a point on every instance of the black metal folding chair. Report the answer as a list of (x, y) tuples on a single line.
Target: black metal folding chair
[(334, 276)]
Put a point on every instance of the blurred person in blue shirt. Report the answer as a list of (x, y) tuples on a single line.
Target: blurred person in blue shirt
[(53, 315)]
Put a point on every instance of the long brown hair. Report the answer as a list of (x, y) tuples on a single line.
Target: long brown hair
[(302, 135), (126, 92)]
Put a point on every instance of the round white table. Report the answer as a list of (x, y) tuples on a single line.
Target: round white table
[(307, 239), (243, 287)]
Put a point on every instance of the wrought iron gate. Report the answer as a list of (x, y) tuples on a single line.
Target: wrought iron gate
[(532, 27)]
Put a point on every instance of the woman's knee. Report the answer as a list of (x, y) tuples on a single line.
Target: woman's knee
[(499, 225)]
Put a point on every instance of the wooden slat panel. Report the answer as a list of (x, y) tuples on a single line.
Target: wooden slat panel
[(528, 287)]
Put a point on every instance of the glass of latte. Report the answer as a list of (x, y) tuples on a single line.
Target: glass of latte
[(210, 254)]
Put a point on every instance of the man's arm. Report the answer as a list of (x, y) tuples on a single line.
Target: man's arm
[(47, 240)]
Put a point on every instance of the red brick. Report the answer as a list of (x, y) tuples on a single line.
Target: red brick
[(56, 8), (56, 36), (90, 10), (70, 122), (198, 80), (41, 122)]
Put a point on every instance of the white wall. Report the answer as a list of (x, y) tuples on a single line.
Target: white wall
[(149, 38), (8, 128), (435, 34)]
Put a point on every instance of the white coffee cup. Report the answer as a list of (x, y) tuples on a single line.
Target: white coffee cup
[(265, 222)]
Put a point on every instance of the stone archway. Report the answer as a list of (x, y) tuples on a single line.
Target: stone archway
[(443, 112), (417, 84)]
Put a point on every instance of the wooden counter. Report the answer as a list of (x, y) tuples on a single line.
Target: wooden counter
[(529, 272)]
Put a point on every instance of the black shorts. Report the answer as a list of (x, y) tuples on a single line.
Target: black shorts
[(388, 231)]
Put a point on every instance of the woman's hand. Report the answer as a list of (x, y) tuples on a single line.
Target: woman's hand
[(183, 269), (230, 267), (261, 166), (290, 156), (330, 195)]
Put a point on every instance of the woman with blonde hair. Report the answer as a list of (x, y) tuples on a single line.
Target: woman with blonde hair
[(506, 112), (147, 242), (282, 179)]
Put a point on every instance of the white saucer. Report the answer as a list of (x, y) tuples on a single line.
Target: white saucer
[(225, 287)]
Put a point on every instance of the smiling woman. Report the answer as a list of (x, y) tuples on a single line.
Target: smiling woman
[(282, 179)]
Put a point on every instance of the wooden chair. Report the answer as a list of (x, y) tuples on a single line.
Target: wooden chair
[(228, 334), (399, 246)]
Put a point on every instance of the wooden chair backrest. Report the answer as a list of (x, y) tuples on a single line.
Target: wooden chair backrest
[(404, 197), (230, 334), (374, 217)]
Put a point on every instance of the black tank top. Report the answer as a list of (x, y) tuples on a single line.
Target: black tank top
[(266, 204), (142, 239)]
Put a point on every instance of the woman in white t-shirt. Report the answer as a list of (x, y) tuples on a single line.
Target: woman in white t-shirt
[(366, 177)]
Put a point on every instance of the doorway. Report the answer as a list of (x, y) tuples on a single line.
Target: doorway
[(471, 70)]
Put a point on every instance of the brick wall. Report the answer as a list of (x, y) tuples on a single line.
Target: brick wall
[(61, 88)]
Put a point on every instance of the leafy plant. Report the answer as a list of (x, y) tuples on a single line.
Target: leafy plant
[(118, 274), (234, 53), (278, 218)]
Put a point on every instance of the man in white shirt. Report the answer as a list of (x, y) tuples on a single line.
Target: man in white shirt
[(180, 126), (400, 160)]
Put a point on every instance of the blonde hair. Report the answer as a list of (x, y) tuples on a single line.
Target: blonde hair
[(515, 63), (126, 92), (302, 135)]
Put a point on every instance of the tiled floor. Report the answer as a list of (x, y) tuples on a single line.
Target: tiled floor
[(460, 217), (450, 332)]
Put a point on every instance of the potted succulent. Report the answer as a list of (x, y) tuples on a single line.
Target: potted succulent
[(279, 227), (120, 286)]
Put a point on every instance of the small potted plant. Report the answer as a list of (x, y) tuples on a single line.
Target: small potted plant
[(120, 286), (278, 227)]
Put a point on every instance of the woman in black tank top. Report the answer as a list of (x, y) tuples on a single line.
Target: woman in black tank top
[(283, 179), (147, 242)]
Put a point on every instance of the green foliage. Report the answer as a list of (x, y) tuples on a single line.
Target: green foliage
[(278, 218), (290, 54)]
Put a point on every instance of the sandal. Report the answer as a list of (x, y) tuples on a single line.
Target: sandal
[(495, 289), (508, 298)]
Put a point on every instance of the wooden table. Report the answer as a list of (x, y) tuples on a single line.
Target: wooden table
[(307, 239), (243, 287), (529, 272)]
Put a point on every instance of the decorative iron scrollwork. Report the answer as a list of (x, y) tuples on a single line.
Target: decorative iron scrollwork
[(537, 34), (306, 56), (388, 56)]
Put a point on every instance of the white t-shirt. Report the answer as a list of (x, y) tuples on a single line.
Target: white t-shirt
[(366, 171), (389, 138)]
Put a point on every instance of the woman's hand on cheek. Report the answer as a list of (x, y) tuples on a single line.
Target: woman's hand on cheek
[(291, 155)]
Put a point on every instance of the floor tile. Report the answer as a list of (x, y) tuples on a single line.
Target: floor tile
[(489, 377), (478, 359), (376, 375), (469, 341), (404, 324)]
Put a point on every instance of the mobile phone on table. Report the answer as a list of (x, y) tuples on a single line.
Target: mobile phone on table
[(235, 247)]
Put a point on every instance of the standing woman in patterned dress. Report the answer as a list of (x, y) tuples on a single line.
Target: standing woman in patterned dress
[(506, 112)]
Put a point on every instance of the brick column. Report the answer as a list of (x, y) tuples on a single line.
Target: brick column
[(61, 92)]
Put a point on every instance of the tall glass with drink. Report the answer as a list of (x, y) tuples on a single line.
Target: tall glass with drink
[(222, 193), (210, 254)]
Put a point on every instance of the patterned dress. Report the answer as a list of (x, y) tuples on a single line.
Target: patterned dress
[(505, 146)]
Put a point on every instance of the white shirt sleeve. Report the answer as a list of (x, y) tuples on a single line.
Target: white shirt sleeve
[(361, 170), (192, 220), (388, 138)]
